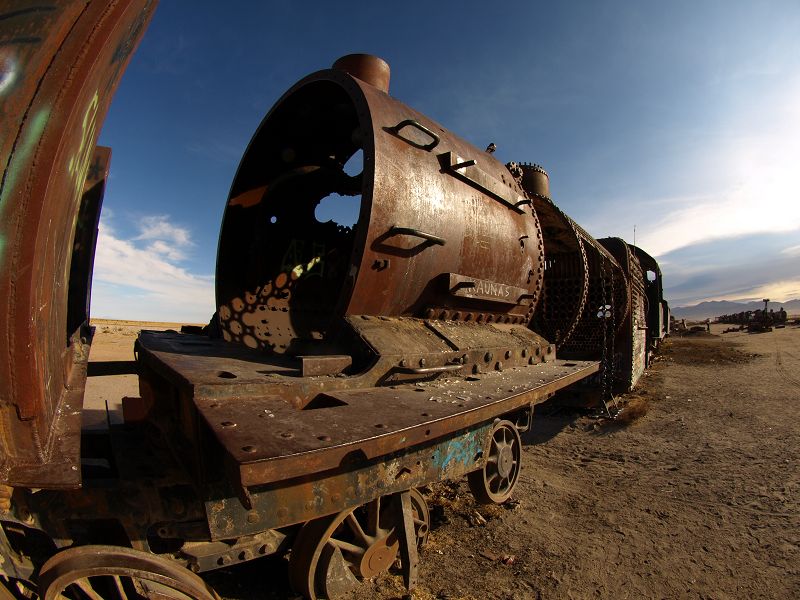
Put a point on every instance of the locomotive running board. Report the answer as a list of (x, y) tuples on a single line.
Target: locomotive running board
[(270, 440)]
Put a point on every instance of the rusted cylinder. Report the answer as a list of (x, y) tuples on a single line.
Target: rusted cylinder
[(443, 231), (366, 67), (535, 180)]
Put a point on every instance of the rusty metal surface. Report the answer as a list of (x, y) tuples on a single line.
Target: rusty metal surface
[(64, 60), (581, 277), (306, 498), (270, 440), (367, 68), (657, 309), (631, 346), (430, 203), (331, 555), (396, 340), (114, 571), (387, 347), (275, 425), (332, 364), (494, 483)]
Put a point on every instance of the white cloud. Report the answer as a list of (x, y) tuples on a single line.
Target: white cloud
[(158, 227), (169, 252), (746, 175), (778, 291), (139, 278), (791, 250)]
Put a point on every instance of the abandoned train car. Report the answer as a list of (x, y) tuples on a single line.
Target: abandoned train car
[(345, 366)]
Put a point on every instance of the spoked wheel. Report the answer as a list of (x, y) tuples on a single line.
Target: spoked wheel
[(494, 483), (117, 573), (332, 554)]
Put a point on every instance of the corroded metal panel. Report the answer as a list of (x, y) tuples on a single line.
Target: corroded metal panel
[(430, 206), (61, 64)]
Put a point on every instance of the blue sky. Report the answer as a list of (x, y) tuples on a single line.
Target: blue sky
[(681, 119)]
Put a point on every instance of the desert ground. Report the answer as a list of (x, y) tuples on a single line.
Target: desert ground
[(693, 492)]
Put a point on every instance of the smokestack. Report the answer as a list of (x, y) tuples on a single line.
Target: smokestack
[(535, 180), (366, 67)]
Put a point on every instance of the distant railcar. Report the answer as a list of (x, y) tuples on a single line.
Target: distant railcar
[(346, 364)]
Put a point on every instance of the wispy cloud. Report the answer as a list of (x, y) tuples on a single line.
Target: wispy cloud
[(141, 277), (745, 180), (777, 291), (733, 269), (792, 250), (165, 239)]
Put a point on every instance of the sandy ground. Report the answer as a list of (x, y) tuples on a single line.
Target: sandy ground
[(698, 497), (112, 373)]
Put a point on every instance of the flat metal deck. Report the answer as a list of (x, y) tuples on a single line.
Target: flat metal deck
[(270, 439)]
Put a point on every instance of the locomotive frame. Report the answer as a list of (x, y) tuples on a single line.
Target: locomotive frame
[(344, 367)]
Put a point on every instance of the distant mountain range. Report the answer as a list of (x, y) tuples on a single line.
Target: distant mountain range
[(709, 310)]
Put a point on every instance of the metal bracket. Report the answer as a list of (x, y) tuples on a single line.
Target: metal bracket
[(434, 239), (428, 370), (419, 126), (407, 536), (469, 172)]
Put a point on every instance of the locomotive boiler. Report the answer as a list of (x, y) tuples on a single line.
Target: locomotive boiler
[(347, 364)]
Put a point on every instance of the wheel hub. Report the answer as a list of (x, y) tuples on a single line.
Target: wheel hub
[(379, 557), (505, 462)]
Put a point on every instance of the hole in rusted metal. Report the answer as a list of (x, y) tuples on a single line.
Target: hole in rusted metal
[(324, 438), (302, 170), (338, 209), (324, 401), (228, 424), (226, 375), (249, 449)]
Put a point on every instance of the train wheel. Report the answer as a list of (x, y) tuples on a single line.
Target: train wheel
[(332, 554), (117, 573), (494, 483)]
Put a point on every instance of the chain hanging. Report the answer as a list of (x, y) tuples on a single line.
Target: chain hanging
[(607, 312)]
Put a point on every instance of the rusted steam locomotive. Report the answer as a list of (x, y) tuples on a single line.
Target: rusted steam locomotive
[(346, 365)]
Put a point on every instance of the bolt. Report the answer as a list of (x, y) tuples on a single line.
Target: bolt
[(421, 362), (488, 357)]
